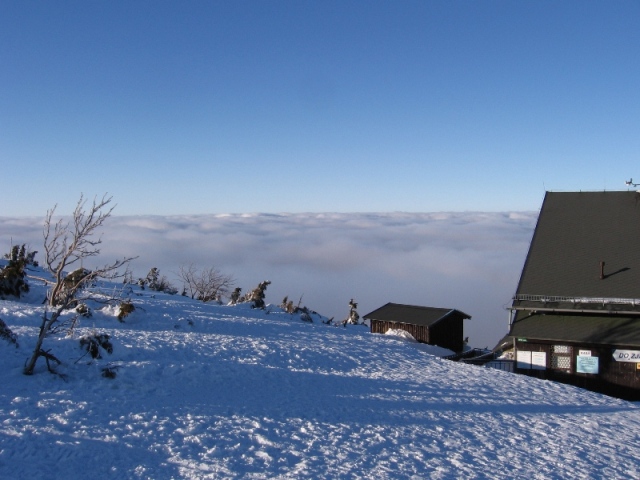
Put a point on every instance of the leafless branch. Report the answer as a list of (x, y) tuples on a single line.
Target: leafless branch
[(206, 284)]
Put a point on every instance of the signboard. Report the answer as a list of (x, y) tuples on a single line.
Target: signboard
[(587, 364), (531, 360), (632, 356), (539, 360), (523, 359), (584, 353)]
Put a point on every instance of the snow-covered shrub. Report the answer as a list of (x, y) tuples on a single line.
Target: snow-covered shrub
[(83, 310), (70, 286), (110, 371), (235, 296), (7, 334), (353, 317), (287, 305), (22, 254), (13, 280), (157, 283), (124, 309), (257, 295), (305, 312), (94, 342)]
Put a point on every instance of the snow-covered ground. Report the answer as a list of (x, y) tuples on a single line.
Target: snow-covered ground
[(209, 391)]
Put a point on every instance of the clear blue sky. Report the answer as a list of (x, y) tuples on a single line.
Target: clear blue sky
[(294, 106)]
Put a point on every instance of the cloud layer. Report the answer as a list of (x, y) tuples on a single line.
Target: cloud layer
[(468, 261)]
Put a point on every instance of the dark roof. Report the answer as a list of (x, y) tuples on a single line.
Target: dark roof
[(611, 330), (415, 315), (575, 232), (505, 343)]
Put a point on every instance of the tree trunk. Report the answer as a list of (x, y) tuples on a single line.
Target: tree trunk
[(45, 326)]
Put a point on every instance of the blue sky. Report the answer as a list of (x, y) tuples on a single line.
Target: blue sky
[(300, 106)]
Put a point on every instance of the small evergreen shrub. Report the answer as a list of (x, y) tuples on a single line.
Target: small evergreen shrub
[(126, 307), (236, 296), (94, 343), (70, 285), (109, 371), (257, 295), (7, 334), (83, 310), (157, 283), (13, 276)]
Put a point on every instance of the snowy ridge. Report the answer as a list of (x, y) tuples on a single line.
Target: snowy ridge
[(208, 391)]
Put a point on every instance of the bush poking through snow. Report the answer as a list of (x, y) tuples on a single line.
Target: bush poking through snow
[(124, 309), (236, 296), (7, 334), (94, 342), (353, 317), (257, 295), (83, 310), (12, 276), (305, 313), (110, 371), (22, 254), (157, 283)]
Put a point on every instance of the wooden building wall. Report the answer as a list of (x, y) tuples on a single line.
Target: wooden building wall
[(420, 333), (447, 333), (614, 378)]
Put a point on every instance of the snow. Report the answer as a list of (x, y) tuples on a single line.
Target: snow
[(211, 391), (431, 349)]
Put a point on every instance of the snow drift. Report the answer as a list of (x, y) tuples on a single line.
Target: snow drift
[(209, 391)]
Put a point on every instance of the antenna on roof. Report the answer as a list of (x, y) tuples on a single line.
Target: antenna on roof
[(629, 183)]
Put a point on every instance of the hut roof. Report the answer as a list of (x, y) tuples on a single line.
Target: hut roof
[(415, 315)]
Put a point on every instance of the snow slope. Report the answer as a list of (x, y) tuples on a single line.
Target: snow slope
[(208, 391)]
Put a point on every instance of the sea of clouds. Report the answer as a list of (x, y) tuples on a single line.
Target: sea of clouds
[(469, 261)]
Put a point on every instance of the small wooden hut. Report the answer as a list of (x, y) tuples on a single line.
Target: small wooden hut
[(436, 326)]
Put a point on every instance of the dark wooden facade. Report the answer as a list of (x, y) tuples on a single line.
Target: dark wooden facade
[(436, 326), (590, 366)]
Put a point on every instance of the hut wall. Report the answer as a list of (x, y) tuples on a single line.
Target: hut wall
[(608, 376), (420, 333), (448, 333)]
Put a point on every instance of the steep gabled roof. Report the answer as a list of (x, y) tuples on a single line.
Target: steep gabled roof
[(575, 232), (415, 315)]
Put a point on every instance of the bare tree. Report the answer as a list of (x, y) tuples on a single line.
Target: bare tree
[(67, 244), (206, 284)]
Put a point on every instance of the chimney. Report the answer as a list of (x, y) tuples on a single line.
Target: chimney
[(602, 270)]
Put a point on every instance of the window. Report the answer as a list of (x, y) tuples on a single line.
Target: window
[(561, 358)]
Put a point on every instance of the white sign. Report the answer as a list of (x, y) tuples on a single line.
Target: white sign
[(632, 356), (585, 364), (539, 360), (523, 359), (584, 353), (531, 360)]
